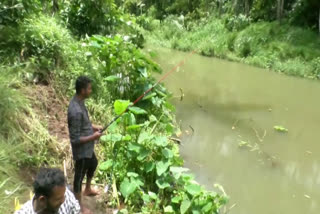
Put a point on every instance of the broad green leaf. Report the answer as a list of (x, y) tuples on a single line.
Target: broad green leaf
[(207, 207), (112, 78), (143, 154), (162, 184), (127, 138), (104, 166), (132, 174), (161, 141), (149, 166), (156, 101), (95, 44), (152, 118), (167, 153), (104, 138), (134, 147), (169, 128), (114, 137), (168, 209), (137, 110), (143, 72), (176, 199), (185, 205), (146, 198), (187, 177), (280, 129), (148, 97), (195, 211), (162, 166), (144, 136), (134, 127), (121, 105), (137, 182), (193, 189), (153, 195), (177, 171), (127, 188)]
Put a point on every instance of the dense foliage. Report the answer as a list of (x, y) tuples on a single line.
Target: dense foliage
[(54, 43), (300, 12), (147, 167)]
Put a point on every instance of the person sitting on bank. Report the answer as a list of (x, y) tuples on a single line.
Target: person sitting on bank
[(83, 135), (51, 196)]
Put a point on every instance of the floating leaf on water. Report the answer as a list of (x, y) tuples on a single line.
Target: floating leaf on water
[(243, 143), (307, 196), (280, 129)]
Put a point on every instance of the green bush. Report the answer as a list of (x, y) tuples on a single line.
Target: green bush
[(90, 17), (146, 168)]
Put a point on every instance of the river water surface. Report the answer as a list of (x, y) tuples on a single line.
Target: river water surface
[(229, 104)]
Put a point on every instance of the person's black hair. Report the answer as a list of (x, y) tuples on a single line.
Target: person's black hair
[(46, 180), (82, 83)]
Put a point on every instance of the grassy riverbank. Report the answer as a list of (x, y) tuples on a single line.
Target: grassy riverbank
[(45, 54), (279, 47)]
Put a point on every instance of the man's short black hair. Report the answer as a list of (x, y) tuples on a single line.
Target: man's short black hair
[(46, 180), (82, 83)]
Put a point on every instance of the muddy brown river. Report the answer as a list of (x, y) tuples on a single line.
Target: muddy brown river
[(230, 110)]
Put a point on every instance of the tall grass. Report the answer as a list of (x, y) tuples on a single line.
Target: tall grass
[(279, 47), (24, 139)]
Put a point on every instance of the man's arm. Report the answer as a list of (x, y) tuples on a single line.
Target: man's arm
[(75, 130)]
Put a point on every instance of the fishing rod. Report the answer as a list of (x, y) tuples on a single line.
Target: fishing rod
[(182, 62)]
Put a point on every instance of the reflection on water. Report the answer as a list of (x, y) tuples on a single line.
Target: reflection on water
[(229, 103)]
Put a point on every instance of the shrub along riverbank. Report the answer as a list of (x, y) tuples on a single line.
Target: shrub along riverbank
[(279, 47), (140, 162)]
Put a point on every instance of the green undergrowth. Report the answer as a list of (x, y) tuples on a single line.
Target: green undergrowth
[(144, 166), (279, 47), (24, 139), (46, 52)]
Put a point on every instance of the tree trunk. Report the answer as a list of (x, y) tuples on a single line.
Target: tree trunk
[(319, 20), (247, 7), (55, 6), (280, 9)]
